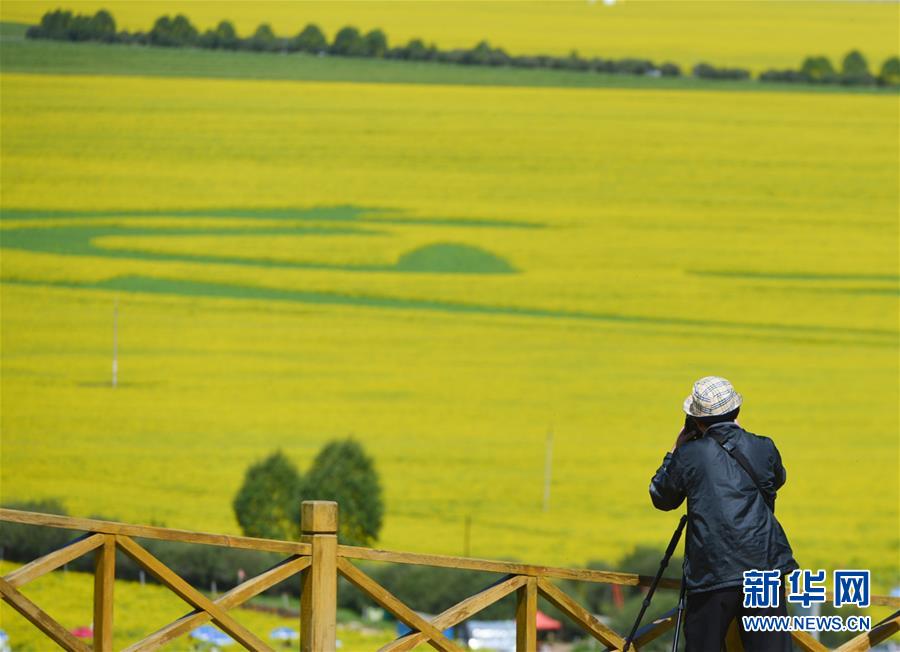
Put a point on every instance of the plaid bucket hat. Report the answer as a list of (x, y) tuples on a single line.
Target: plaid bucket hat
[(712, 397)]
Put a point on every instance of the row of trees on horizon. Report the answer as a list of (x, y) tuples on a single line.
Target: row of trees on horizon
[(350, 42)]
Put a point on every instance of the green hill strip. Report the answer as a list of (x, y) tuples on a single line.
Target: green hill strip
[(21, 55), (204, 289)]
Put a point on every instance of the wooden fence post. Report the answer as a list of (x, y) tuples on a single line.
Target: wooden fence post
[(104, 580), (526, 617), (318, 601)]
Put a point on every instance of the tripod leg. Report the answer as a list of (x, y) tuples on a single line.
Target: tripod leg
[(676, 537), (679, 614)]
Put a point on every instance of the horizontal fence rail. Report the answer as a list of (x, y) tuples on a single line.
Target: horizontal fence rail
[(319, 560)]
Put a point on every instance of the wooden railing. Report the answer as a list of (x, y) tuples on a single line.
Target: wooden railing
[(320, 560)]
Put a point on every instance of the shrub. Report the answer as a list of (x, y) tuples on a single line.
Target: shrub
[(605, 66), (431, 590), (484, 55), (525, 62), (669, 69), (787, 75), (27, 542), (707, 71), (417, 51), (633, 66)]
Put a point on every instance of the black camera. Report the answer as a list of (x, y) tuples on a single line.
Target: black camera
[(690, 427)]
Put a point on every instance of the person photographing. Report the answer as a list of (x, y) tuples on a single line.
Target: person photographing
[(730, 478)]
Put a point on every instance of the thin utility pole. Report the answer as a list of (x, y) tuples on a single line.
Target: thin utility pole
[(115, 359), (548, 469)]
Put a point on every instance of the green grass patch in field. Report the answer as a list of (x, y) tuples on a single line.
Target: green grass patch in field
[(22, 55), (455, 258)]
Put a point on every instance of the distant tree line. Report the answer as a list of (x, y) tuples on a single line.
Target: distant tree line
[(351, 42), (854, 71)]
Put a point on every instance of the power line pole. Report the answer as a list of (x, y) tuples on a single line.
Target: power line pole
[(548, 469), (115, 360)]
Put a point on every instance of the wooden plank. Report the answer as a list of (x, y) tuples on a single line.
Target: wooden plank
[(526, 617), (40, 619), (233, 598), (579, 614), (52, 561), (806, 642), (318, 597), (503, 567), (104, 581), (879, 633), (655, 628), (190, 595), (149, 532), (388, 601), (459, 612)]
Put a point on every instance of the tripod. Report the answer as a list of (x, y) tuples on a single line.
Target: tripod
[(670, 550)]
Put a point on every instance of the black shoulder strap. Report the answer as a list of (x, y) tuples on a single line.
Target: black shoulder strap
[(739, 457)]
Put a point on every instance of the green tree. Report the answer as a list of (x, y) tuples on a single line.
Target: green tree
[(818, 69), (183, 31), (55, 24), (103, 26), (264, 39), (311, 39), (349, 43), (268, 503), (173, 32), (344, 473), (855, 64), (376, 43), (416, 50), (890, 71), (223, 36)]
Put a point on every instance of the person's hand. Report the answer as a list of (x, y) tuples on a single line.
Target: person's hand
[(683, 436)]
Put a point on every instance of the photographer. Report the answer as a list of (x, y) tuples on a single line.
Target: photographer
[(729, 477)]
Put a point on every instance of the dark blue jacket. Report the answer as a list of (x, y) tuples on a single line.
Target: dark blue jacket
[(730, 528)]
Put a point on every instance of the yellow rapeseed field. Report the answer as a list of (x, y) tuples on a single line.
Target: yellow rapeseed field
[(251, 232), (138, 612), (755, 35)]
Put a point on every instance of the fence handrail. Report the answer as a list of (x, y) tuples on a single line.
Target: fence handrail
[(152, 532), (353, 552), (504, 567), (320, 560)]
